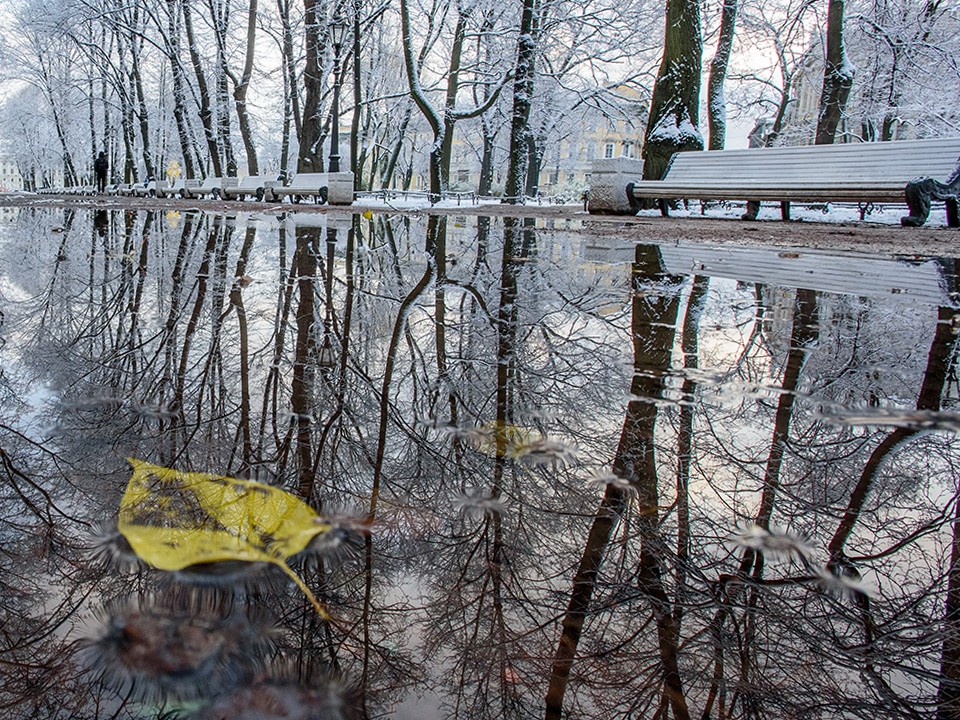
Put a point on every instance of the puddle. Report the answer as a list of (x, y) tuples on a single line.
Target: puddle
[(558, 472)]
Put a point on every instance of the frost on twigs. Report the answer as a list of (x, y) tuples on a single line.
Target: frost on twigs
[(841, 581), (542, 452), (477, 504), (844, 584), (775, 544), (601, 480)]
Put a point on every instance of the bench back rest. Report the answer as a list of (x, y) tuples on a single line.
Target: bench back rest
[(308, 181), (249, 182), (891, 162), (211, 182)]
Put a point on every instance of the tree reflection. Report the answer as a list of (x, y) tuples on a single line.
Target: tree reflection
[(562, 486)]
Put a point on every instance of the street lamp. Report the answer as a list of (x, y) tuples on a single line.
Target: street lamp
[(338, 30), (328, 356)]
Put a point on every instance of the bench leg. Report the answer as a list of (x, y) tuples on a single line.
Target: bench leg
[(785, 211), (664, 207), (635, 205), (920, 193), (917, 195), (753, 208)]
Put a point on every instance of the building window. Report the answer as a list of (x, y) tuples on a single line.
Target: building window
[(608, 150), (627, 149)]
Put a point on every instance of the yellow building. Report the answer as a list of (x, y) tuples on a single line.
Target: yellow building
[(10, 178), (576, 140)]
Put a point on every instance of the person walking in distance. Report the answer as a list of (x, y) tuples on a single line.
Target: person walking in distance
[(100, 167)]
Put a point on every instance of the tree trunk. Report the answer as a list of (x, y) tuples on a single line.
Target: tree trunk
[(781, 115), (311, 125), (485, 184), (142, 114), (535, 151), (837, 77), (716, 103), (804, 334), (206, 114), (240, 87), (654, 329), (129, 142), (243, 336), (488, 128), (70, 177), (386, 177), (453, 84), (224, 130), (301, 387), (109, 141), (179, 87), (421, 100), (942, 349), (92, 122), (523, 83), (356, 160), (290, 74), (690, 346), (675, 105)]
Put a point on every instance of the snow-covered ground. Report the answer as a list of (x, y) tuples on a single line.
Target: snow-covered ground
[(886, 214)]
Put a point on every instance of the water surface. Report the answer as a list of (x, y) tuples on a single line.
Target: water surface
[(566, 472)]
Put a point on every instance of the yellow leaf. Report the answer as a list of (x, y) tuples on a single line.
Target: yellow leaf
[(174, 520)]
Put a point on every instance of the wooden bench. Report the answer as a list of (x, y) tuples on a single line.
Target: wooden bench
[(302, 185), (863, 173)]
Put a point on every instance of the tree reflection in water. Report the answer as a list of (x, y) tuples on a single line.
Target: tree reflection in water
[(588, 485)]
